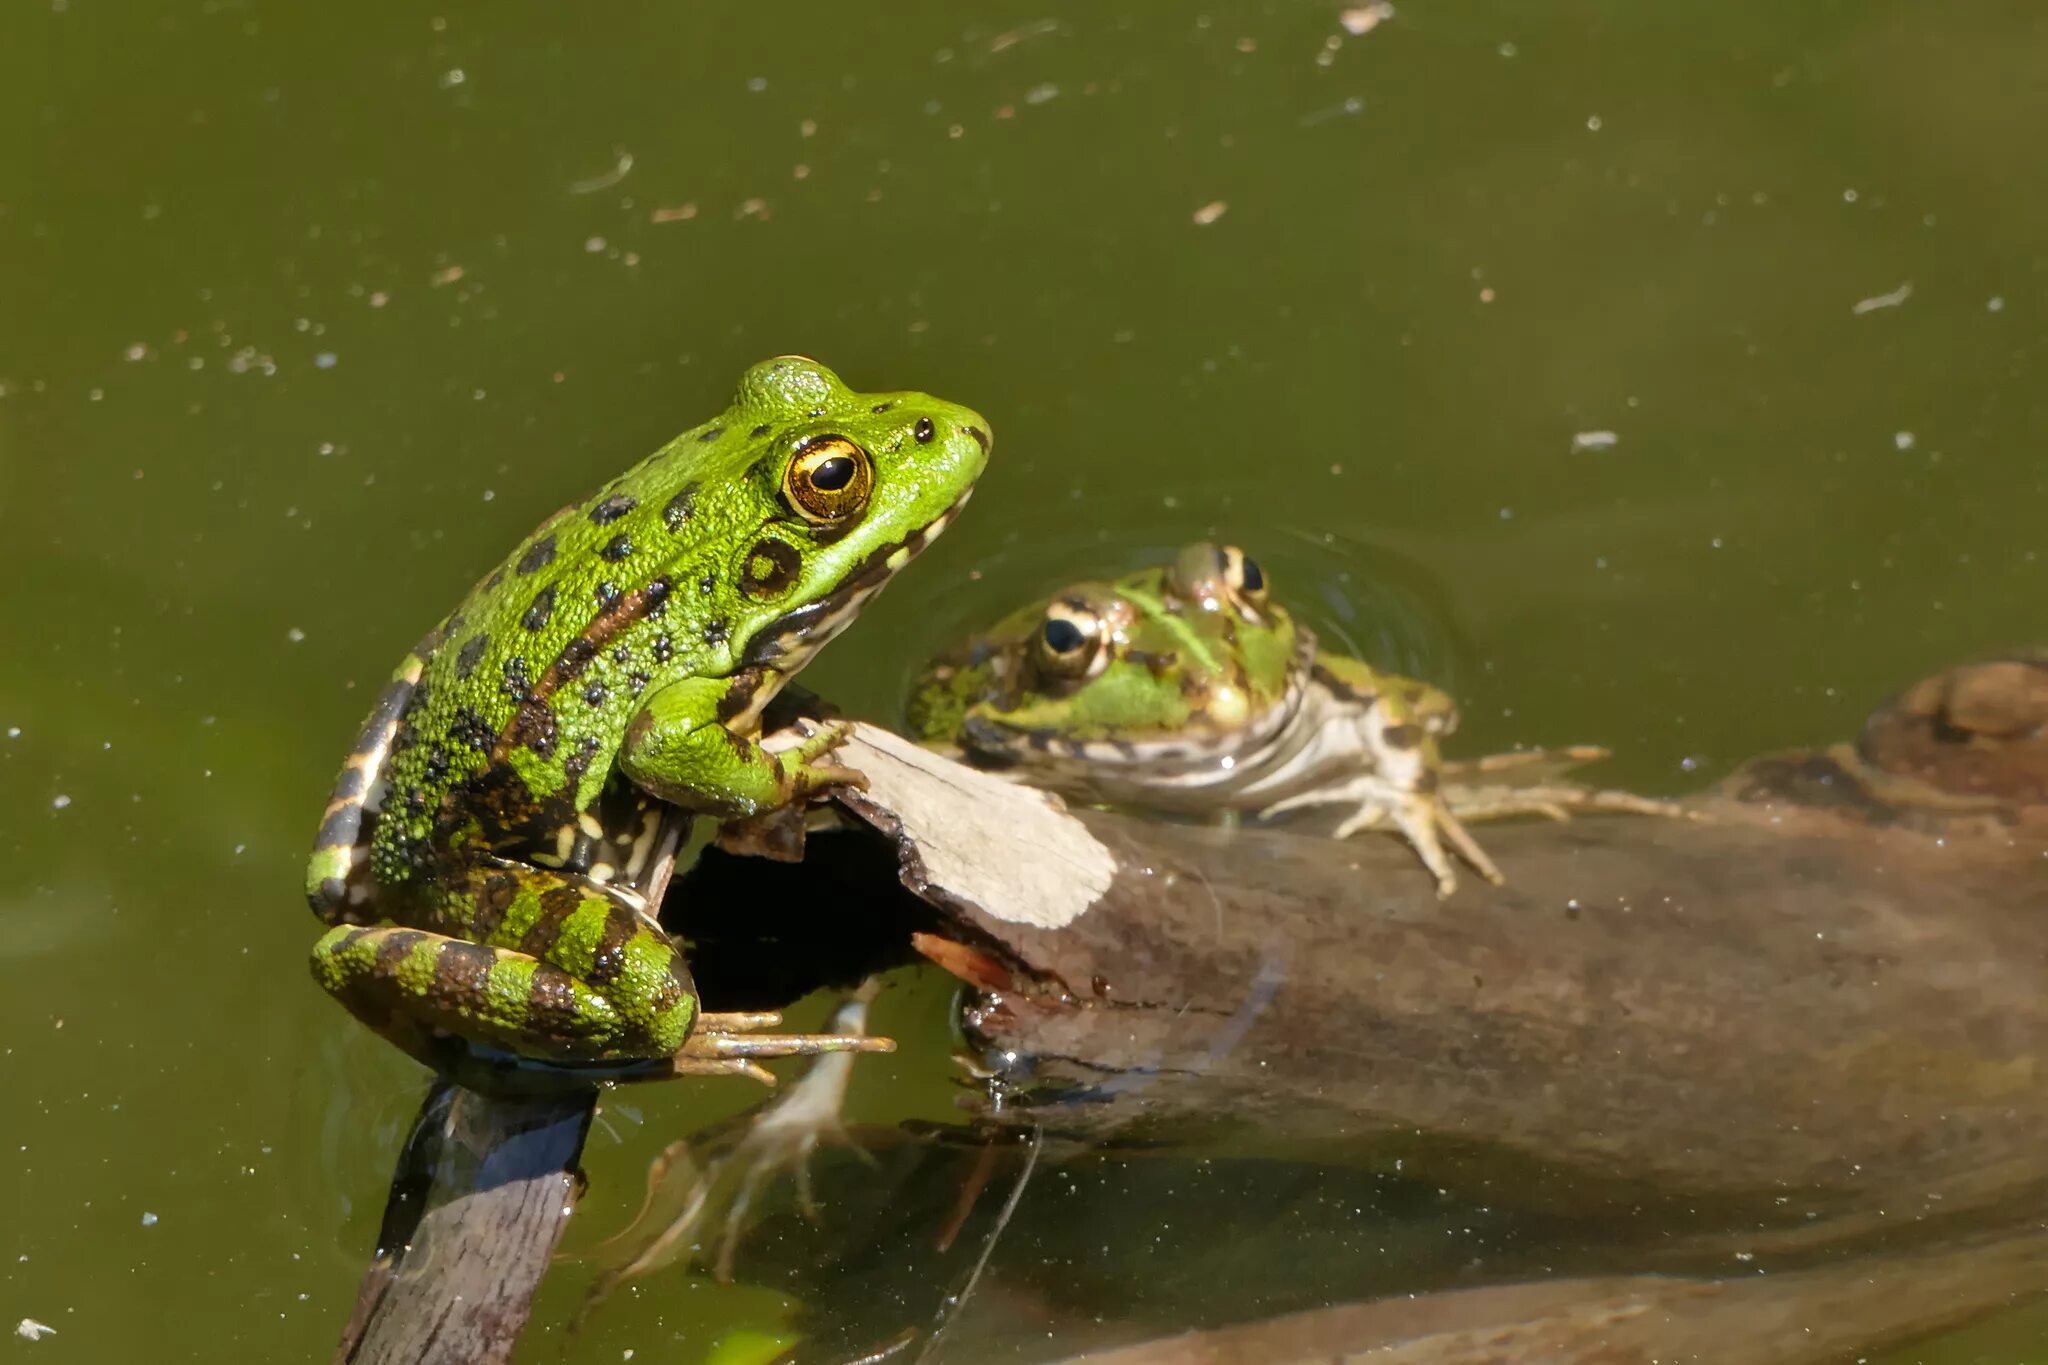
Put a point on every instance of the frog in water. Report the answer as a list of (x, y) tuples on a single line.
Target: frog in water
[(1185, 688), (506, 786)]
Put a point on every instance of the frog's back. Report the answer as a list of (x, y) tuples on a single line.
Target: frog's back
[(522, 703)]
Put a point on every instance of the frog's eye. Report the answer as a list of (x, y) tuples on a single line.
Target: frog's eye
[(1068, 641), (1247, 581), (828, 479)]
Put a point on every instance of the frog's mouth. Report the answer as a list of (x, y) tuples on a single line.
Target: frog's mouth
[(787, 643)]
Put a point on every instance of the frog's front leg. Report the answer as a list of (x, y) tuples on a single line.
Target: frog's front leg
[(680, 747), (537, 963), (1397, 723)]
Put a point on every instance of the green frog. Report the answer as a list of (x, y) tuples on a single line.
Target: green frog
[(476, 856), (1185, 688)]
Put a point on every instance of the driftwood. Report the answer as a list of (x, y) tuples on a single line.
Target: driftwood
[(1842, 1003), (1820, 1006)]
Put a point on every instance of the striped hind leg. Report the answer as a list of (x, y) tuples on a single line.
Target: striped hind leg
[(543, 964), (416, 987)]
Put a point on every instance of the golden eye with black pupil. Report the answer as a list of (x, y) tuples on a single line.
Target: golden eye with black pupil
[(1247, 581), (828, 479), (1067, 641), (1063, 636)]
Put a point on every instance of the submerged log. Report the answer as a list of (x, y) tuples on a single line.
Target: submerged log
[(1810, 1317)]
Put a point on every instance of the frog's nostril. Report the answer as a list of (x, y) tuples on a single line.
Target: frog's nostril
[(981, 437)]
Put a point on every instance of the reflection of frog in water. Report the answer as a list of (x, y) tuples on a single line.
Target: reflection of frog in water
[(619, 657), (1185, 688)]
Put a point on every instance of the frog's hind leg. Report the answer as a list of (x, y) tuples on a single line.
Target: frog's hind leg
[(1555, 801), (540, 964), (1422, 817), (1427, 824), (415, 986), (1397, 723)]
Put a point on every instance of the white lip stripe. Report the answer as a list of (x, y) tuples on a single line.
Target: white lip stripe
[(1288, 745), (793, 652)]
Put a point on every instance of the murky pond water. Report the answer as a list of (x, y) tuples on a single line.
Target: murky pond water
[(1670, 380)]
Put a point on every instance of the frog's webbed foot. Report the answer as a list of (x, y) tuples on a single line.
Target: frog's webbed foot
[(782, 1136), (1422, 817)]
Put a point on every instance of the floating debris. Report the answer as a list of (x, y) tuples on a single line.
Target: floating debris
[(678, 214), (608, 179), (1017, 35), (1877, 301), (1594, 440), (1363, 19), (28, 1329), (1210, 212)]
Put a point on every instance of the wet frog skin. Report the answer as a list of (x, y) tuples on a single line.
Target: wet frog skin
[(1186, 688), (620, 656)]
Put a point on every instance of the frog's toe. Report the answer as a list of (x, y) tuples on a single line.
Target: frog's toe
[(809, 739), (1364, 818), (1468, 848), (813, 777)]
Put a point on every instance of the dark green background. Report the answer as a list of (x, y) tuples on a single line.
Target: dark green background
[(250, 449)]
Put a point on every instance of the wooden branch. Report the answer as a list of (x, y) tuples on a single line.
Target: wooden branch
[(476, 1211)]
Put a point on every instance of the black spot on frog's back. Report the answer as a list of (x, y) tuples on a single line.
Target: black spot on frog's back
[(612, 508), (540, 610), (676, 513), (518, 683), (472, 653), (538, 556)]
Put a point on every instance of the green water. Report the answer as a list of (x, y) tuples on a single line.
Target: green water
[(306, 313)]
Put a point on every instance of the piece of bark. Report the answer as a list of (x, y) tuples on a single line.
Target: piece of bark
[(1790, 1011), (1805, 1317)]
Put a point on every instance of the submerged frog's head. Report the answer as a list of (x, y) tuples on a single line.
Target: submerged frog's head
[(836, 491), (1166, 662)]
